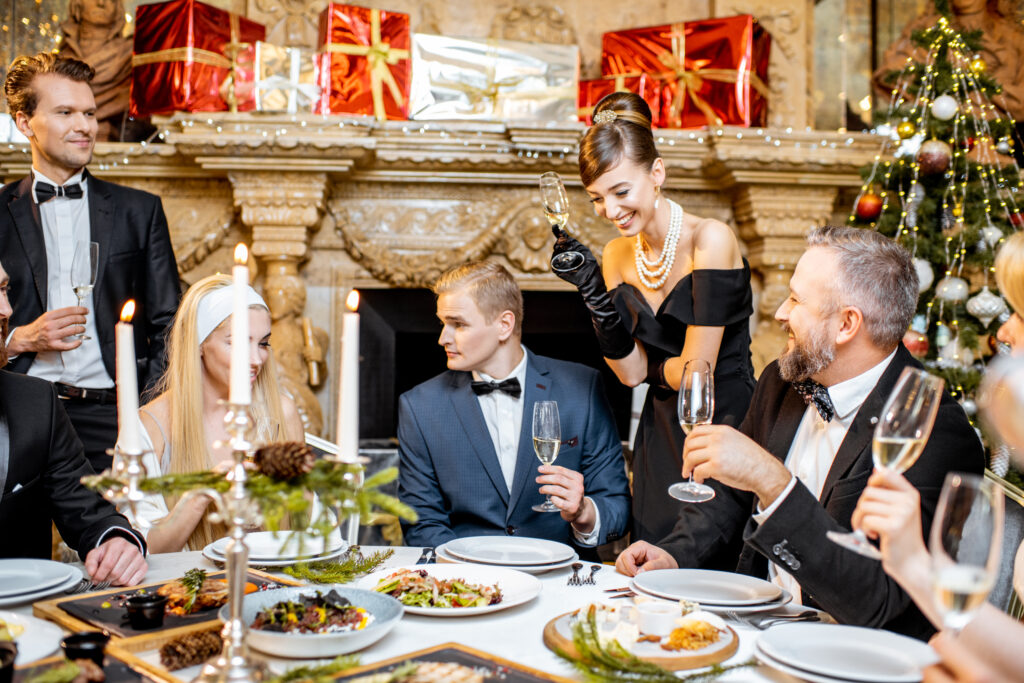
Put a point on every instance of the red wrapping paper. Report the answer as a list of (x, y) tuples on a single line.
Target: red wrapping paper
[(591, 92), (713, 71), (180, 61), (364, 65)]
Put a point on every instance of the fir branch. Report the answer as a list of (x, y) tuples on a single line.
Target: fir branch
[(318, 674), (333, 571)]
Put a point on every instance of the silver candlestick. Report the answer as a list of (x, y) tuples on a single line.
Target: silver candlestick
[(126, 474)]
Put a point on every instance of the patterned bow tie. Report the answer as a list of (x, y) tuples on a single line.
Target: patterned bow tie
[(46, 192), (810, 391), (509, 386)]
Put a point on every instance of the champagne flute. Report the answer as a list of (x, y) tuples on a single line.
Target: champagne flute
[(547, 438), (900, 436), (966, 540), (556, 209), (696, 406), (83, 274)]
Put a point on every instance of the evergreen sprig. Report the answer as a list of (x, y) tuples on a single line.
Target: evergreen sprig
[(352, 567), (318, 674)]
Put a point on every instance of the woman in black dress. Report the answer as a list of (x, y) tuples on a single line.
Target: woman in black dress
[(675, 287)]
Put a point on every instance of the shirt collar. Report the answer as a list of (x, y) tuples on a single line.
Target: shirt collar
[(38, 177), (518, 372), (847, 396)]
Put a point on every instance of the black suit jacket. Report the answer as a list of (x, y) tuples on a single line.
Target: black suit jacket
[(136, 261), (854, 589), (46, 463)]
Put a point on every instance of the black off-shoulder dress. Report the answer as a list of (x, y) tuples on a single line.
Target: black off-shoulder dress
[(709, 298)]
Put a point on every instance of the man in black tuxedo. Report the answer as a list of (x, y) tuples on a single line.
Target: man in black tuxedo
[(55, 212), (41, 466), (797, 465)]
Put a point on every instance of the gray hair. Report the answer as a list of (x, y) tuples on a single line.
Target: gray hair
[(876, 275)]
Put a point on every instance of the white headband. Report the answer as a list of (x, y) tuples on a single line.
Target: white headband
[(215, 308)]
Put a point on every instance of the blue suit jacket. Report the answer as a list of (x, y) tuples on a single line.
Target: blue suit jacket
[(450, 474)]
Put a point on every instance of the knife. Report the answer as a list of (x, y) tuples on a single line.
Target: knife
[(426, 557)]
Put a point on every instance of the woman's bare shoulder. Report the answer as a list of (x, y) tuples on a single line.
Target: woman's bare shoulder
[(715, 245), (617, 255)]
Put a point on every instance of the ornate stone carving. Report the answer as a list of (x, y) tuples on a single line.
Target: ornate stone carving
[(289, 22), (535, 22)]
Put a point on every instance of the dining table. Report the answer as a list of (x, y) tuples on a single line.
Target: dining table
[(514, 634)]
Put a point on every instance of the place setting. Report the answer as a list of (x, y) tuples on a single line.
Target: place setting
[(530, 555), (274, 549), (27, 580), (715, 591)]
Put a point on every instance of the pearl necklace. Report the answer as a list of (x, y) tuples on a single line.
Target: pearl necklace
[(654, 273)]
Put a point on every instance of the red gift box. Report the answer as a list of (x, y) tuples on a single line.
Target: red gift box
[(713, 71), (182, 58), (591, 92), (364, 67)]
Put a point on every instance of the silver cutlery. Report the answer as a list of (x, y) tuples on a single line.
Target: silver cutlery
[(574, 580), (79, 587), (426, 557), (763, 622), (593, 570), (627, 594)]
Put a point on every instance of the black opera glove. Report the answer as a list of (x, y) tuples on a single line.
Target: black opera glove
[(612, 336)]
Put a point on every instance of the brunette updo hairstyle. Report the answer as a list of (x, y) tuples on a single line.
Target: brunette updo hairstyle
[(628, 136)]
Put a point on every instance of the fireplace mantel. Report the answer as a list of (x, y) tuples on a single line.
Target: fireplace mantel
[(334, 203)]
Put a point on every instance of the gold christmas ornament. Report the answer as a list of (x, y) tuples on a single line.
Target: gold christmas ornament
[(958, 209), (978, 65), (906, 129)]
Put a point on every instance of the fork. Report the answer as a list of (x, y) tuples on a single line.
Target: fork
[(590, 579), (574, 580)]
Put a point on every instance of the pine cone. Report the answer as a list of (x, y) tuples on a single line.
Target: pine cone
[(190, 650), (285, 461)]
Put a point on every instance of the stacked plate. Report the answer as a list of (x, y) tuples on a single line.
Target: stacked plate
[(27, 580), (35, 638), (281, 548), (530, 555), (715, 591), (828, 653)]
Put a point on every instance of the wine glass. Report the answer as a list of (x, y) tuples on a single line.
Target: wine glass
[(900, 436), (547, 438), (556, 209), (696, 406), (83, 274), (965, 543)]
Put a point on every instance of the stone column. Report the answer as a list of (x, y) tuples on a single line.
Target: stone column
[(283, 209)]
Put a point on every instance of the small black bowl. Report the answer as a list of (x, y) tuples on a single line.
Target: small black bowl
[(8, 653), (86, 645), (146, 611)]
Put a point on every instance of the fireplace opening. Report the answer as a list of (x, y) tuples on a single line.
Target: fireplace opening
[(398, 344)]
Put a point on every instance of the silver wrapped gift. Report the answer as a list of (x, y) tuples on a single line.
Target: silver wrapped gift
[(285, 78), (462, 78)]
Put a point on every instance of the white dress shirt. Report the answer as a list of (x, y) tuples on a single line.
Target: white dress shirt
[(503, 415), (65, 223), (815, 446)]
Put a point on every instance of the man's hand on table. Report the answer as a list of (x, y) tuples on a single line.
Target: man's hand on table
[(117, 560), (643, 557)]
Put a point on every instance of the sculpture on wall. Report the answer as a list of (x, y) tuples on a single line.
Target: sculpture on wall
[(94, 32)]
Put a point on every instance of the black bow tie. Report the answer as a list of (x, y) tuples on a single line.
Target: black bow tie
[(810, 391), (46, 192), (509, 386)]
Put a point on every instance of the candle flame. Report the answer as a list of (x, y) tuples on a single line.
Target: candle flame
[(352, 300), (128, 311), (241, 254)]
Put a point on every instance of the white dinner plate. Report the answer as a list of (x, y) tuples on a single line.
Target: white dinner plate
[(19, 576), (509, 551), (852, 653), (443, 554), (215, 557), (38, 639), (283, 545), (516, 587), (792, 671), (709, 588), (21, 598)]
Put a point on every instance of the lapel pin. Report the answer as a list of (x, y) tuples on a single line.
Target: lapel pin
[(874, 420), (541, 386)]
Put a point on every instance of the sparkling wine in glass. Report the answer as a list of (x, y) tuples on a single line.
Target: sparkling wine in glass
[(547, 438), (696, 406), (556, 209), (83, 273), (965, 544), (900, 436)]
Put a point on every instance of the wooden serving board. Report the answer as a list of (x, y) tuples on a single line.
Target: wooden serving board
[(119, 667), (557, 635)]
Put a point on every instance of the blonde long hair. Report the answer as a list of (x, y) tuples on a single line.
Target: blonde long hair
[(1010, 271), (182, 382)]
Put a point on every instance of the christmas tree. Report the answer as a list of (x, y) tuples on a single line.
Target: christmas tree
[(945, 185)]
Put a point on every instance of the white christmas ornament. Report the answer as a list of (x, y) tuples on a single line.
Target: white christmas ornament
[(942, 335), (969, 406), (1004, 147), (925, 275), (944, 107), (954, 355), (910, 146), (991, 235), (986, 306), (951, 289), (920, 324)]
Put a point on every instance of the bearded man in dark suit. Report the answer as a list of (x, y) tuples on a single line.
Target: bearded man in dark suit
[(57, 211), (797, 465)]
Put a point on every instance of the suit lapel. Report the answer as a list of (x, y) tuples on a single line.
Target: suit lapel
[(467, 409), (30, 232), (100, 211), (791, 412), (537, 388)]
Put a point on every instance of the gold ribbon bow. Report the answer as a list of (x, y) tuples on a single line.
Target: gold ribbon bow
[(379, 56)]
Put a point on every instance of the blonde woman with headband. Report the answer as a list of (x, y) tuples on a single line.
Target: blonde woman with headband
[(673, 287), (185, 420)]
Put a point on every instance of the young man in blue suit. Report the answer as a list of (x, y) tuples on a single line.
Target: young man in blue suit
[(465, 437)]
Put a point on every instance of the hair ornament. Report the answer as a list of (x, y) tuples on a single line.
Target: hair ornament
[(605, 116), (609, 115)]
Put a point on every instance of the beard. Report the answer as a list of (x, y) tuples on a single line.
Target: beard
[(807, 357), (4, 330)]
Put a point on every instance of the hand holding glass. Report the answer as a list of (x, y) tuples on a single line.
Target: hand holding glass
[(547, 438), (83, 273), (901, 434), (556, 208), (696, 406)]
